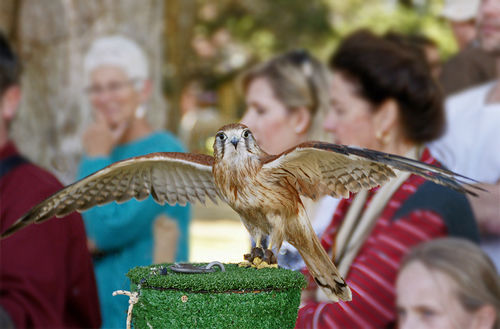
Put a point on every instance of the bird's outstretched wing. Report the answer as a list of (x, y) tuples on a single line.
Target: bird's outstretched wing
[(169, 177), (323, 168)]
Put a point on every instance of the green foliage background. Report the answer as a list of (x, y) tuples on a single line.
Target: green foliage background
[(269, 27), (258, 29)]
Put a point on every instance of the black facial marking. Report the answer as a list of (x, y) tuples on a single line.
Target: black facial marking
[(247, 143)]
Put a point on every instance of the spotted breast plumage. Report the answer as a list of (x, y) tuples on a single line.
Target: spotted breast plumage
[(265, 190)]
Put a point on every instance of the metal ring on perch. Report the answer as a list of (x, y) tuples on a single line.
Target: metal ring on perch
[(190, 268)]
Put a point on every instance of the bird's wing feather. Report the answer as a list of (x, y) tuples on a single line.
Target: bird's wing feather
[(323, 168), (169, 177)]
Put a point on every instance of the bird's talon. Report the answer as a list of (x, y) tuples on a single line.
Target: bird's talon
[(269, 257), (259, 258), (256, 261), (245, 264), (262, 265), (257, 252)]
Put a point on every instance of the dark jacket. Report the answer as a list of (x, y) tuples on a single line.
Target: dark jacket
[(46, 273)]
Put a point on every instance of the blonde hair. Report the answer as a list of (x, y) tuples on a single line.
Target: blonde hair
[(298, 80), (475, 275)]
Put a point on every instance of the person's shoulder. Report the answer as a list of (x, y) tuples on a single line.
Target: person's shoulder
[(26, 186), (473, 55), (167, 141), (37, 177), (476, 91), (474, 94), (481, 58), (469, 53), (452, 207)]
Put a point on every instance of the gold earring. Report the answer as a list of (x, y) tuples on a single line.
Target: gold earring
[(386, 139), (383, 138)]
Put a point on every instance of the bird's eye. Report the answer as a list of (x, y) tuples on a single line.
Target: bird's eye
[(246, 133), (221, 136)]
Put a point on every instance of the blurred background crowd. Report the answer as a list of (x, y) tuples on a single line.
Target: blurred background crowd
[(99, 81), (196, 50)]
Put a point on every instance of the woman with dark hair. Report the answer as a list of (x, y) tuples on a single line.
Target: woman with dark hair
[(382, 97)]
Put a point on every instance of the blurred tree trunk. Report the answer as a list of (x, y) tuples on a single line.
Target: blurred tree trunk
[(9, 13), (52, 37), (180, 17), (406, 3)]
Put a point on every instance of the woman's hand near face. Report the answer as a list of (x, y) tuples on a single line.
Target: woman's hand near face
[(99, 139), (91, 246)]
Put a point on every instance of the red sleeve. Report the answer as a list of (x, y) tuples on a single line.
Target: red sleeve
[(45, 269), (372, 276), (82, 302)]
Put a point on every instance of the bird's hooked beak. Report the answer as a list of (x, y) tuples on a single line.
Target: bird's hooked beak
[(235, 140)]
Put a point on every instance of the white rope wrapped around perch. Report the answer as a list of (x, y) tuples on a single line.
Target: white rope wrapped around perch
[(133, 299)]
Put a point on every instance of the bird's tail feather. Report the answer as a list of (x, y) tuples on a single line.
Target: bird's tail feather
[(301, 235), (325, 273)]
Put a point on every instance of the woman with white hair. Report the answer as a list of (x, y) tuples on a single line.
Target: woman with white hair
[(121, 237)]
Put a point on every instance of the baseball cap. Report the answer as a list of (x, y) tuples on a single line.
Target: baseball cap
[(460, 10)]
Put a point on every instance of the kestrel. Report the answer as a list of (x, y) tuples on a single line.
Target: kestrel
[(263, 189)]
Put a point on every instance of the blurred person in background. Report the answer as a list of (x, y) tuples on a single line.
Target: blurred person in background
[(448, 283), (472, 139), (200, 118), (286, 101), (471, 65), (121, 236), (383, 98), (46, 274)]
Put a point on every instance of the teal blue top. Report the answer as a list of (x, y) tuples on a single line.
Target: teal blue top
[(124, 232)]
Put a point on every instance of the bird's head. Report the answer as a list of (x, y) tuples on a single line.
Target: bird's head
[(235, 141)]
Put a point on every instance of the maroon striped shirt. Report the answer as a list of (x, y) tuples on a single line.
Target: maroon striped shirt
[(373, 272)]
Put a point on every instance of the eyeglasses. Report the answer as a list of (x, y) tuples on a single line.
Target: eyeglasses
[(302, 58), (113, 87)]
